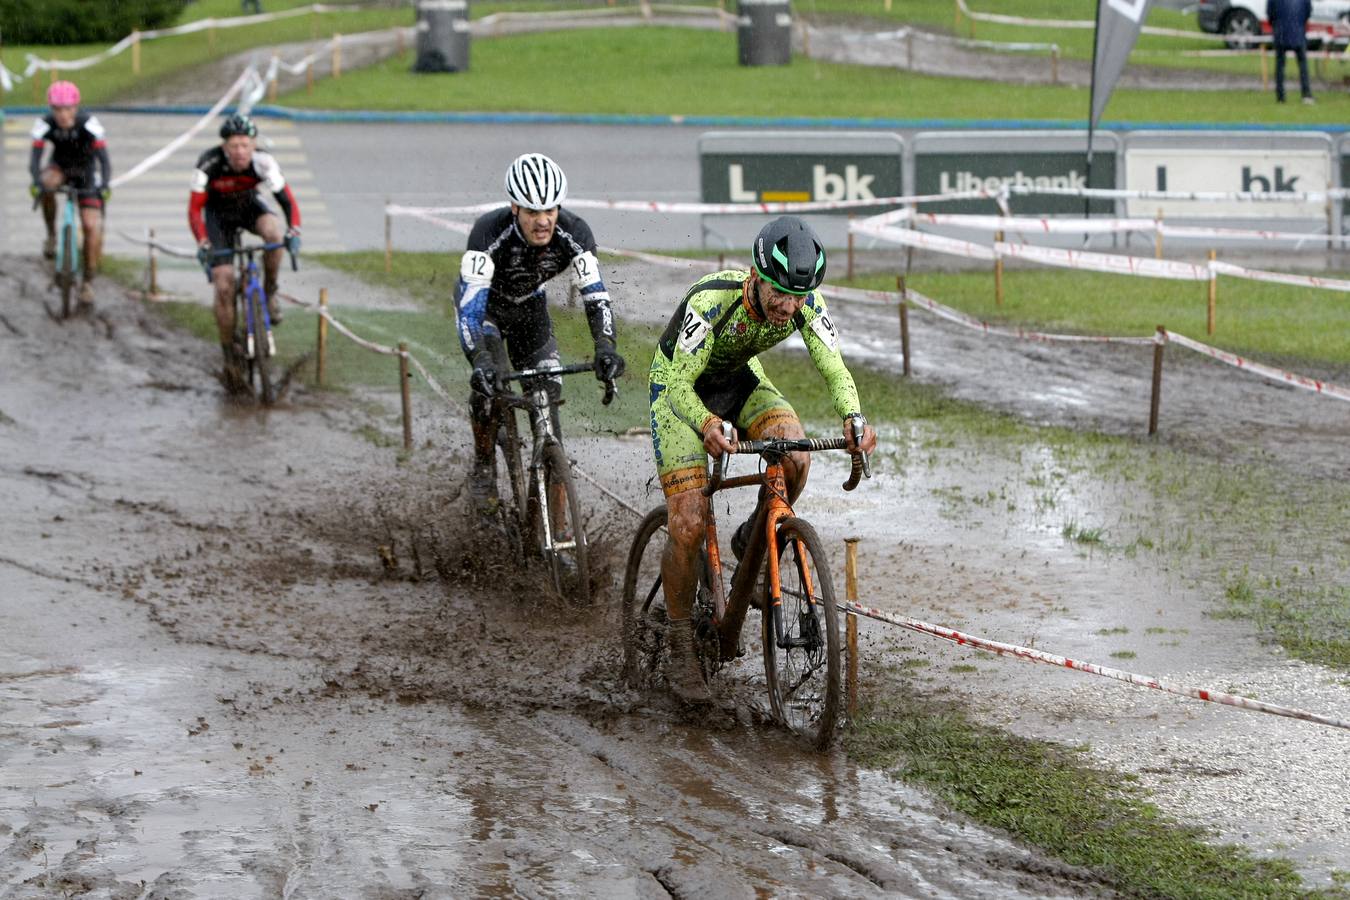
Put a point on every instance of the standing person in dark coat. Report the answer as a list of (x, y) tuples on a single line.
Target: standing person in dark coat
[(1289, 24)]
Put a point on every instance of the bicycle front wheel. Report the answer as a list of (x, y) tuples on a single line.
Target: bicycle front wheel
[(65, 273), (803, 666), (563, 513), (262, 352)]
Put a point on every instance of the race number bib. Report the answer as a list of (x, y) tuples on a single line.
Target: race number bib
[(692, 331), (824, 328)]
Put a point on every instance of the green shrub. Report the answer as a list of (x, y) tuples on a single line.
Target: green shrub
[(82, 21)]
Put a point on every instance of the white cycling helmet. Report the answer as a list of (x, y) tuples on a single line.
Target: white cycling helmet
[(535, 182)]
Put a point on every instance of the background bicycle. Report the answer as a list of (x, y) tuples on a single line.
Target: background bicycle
[(66, 264), (254, 344), (545, 511)]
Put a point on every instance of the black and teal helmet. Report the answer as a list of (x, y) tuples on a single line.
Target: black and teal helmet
[(788, 255), (238, 124)]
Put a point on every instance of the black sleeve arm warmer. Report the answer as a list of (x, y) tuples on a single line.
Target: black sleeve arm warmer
[(104, 166), (35, 162)]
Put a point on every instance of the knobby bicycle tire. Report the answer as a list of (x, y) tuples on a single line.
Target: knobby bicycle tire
[(65, 275), (508, 443), (558, 471), (804, 682), (644, 620), (262, 358)]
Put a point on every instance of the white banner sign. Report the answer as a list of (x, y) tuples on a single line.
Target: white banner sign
[(1179, 169)]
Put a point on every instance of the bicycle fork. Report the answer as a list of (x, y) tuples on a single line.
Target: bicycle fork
[(808, 624), (542, 426), (252, 326)]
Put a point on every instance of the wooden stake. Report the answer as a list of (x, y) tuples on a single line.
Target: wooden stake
[(1265, 78), (888, 5), (849, 273), (851, 623), (998, 271), (154, 268), (388, 240), (405, 389), (721, 261), (321, 357), (1155, 399), (1054, 64), (1214, 297), (1158, 235), (337, 56), (909, 49), (135, 53), (904, 321), (309, 77), (273, 86), (956, 15), (402, 42), (211, 38)]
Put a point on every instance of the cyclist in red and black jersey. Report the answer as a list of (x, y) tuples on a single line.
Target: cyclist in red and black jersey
[(79, 158), (225, 199)]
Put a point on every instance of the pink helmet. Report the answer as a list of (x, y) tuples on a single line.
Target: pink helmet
[(63, 93)]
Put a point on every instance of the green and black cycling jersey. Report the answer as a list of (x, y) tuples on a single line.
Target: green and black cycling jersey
[(710, 346)]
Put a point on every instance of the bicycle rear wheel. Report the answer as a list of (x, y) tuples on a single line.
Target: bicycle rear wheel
[(261, 364), (804, 676), (645, 623), (566, 523), (65, 271)]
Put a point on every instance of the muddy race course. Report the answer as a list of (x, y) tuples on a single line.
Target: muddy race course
[(245, 655)]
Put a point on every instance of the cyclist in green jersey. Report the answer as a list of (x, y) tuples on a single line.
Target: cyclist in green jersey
[(706, 371)]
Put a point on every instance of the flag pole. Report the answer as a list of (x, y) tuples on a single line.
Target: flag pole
[(1092, 105)]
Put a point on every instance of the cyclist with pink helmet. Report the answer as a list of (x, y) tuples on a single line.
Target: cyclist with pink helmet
[(79, 158)]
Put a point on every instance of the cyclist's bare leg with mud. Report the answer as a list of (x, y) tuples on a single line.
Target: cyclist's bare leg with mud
[(91, 219), (51, 179), (269, 228)]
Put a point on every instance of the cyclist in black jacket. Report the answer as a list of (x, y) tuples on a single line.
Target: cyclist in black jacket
[(500, 297), (79, 159)]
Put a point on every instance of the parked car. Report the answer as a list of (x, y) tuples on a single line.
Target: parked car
[(1236, 19)]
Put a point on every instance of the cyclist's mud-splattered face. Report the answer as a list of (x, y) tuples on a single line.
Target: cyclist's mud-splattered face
[(779, 307), (64, 116), (239, 151), (536, 224)]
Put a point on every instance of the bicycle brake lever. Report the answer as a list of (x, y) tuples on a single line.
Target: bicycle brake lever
[(611, 391), (858, 429), (727, 432)]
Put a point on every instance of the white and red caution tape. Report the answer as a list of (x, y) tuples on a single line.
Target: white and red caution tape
[(1220, 267), (910, 237), (914, 298), (1089, 24), (35, 62), (1104, 262), (1293, 379), (249, 74), (1040, 656)]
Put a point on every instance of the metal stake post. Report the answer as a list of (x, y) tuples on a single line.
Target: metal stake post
[(1155, 399), (405, 390)]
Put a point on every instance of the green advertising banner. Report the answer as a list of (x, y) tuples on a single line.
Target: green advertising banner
[(957, 172), (732, 177)]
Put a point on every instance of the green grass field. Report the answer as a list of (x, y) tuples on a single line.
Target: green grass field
[(680, 72), (163, 57)]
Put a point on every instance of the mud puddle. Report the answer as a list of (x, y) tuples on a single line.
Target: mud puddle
[(212, 686)]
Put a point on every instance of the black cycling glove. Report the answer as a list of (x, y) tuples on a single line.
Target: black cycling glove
[(608, 364)]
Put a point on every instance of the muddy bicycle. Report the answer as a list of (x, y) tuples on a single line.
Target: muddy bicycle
[(544, 517), (784, 563), (254, 344), (66, 264)]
